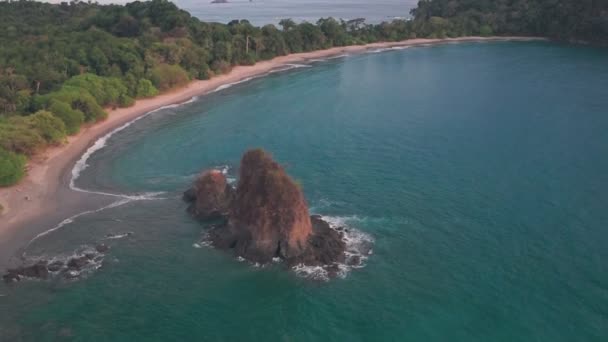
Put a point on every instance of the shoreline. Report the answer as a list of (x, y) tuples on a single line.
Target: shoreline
[(34, 199)]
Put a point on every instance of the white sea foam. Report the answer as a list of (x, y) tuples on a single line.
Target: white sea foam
[(72, 218), (118, 236), (296, 66), (338, 56), (82, 164), (287, 67), (392, 48), (378, 50), (325, 59), (94, 261), (225, 169), (196, 245), (311, 272), (358, 249), (229, 85), (100, 143)]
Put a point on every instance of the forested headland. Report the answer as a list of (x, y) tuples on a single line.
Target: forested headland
[(62, 65)]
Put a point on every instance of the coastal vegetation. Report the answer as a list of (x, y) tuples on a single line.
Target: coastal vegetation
[(63, 65)]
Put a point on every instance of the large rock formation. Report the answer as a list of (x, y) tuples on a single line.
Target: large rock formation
[(268, 217)]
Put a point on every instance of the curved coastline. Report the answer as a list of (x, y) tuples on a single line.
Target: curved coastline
[(32, 204)]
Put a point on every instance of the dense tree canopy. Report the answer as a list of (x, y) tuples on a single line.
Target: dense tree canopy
[(582, 20), (62, 64)]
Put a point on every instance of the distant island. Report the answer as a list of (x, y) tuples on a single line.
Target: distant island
[(63, 66), (219, 1)]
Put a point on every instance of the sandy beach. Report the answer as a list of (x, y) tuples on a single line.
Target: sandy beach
[(44, 194)]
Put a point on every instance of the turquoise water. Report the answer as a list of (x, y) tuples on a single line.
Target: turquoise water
[(479, 170)]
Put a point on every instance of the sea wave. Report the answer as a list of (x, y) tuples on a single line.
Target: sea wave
[(118, 236), (339, 56), (74, 217), (229, 85), (385, 49), (325, 59), (358, 249), (82, 164), (289, 66)]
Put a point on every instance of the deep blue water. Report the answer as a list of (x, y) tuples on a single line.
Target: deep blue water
[(479, 170)]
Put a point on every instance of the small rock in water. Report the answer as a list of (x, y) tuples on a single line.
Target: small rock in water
[(102, 248), (55, 266), (38, 270), (11, 277), (210, 197), (78, 262), (72, 274), (354, 260), (189, 195)]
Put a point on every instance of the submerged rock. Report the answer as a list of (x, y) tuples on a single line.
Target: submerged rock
[(56, 266), (268, 216), (79, 262), (38, 270), (83, 261), (210, 196), (102, 248)]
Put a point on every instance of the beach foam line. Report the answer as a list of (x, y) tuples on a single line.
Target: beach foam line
[(232, 84), (288, 66), (339, 56), (100, 143), (74, 217)]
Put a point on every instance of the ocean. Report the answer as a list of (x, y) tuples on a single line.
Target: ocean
[(262, 12), (478, 171)]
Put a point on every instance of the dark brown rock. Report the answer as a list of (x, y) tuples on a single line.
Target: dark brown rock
[(102, 248), (78, 262), (11, 277), (38, 270), (55, 266), (189, 195), (211, 196)]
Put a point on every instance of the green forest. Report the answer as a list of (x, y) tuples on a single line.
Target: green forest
[(63, 65)]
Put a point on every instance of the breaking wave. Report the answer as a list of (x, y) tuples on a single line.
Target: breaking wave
[(229, 85), (100, 143), (289, 66), (358, 249), (74, 217), (392, 48)]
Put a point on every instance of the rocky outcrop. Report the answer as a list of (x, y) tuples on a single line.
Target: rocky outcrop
[(210, 197), (268, 217), (67, 268)]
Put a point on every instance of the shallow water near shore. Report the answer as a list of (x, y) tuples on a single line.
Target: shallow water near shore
[(478, 169)]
